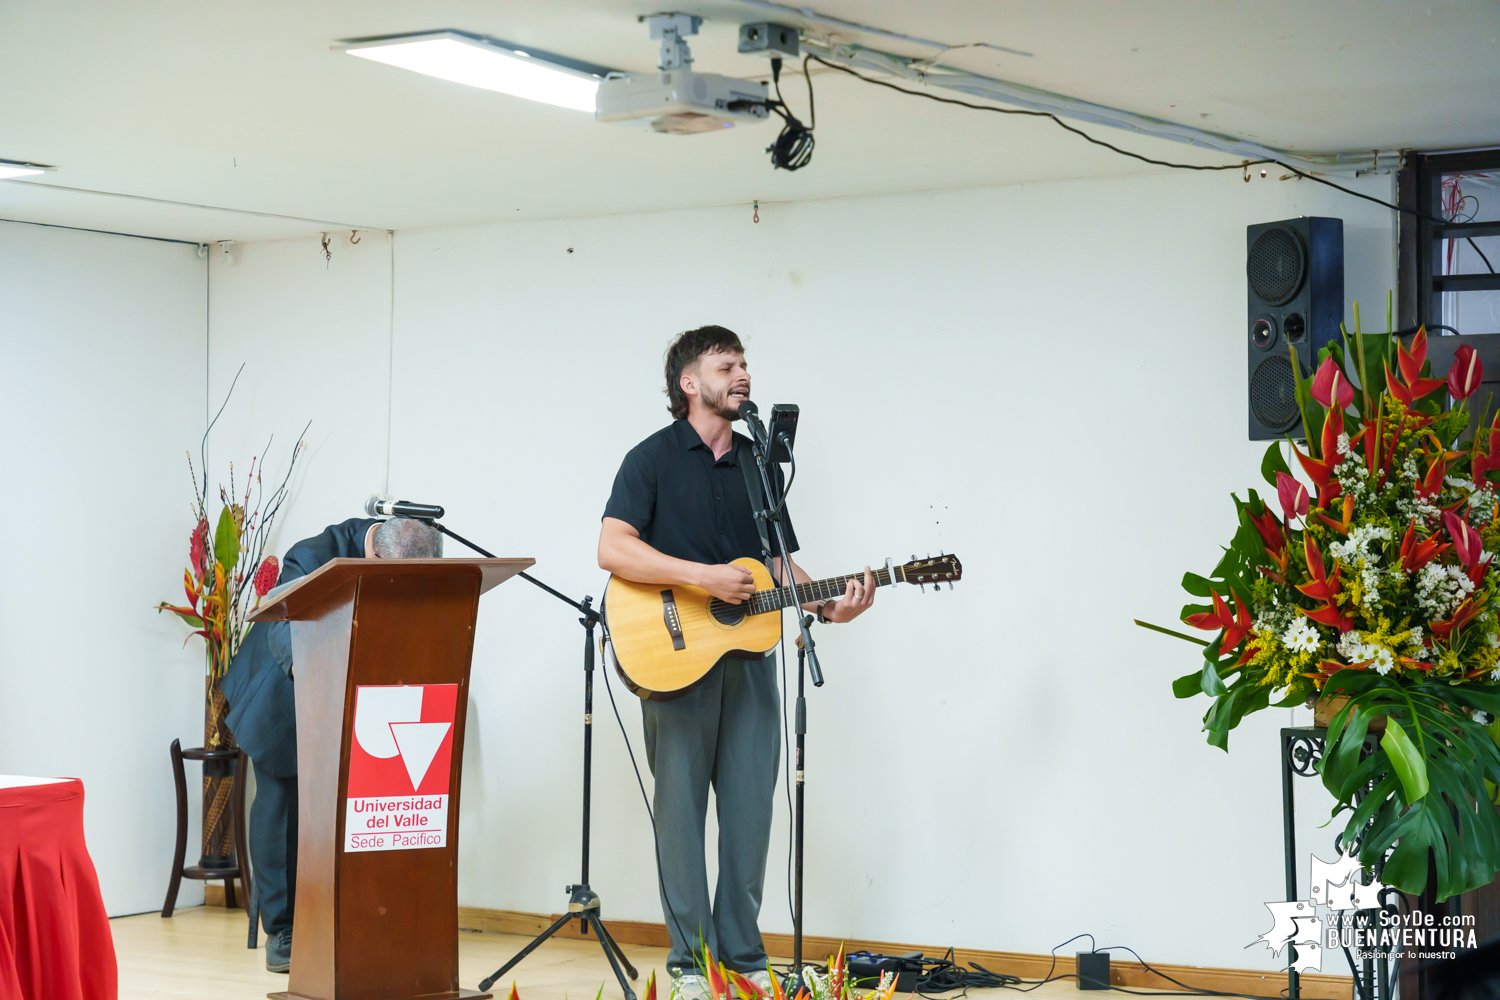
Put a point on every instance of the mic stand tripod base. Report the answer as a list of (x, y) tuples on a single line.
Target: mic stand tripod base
[(583, 905)]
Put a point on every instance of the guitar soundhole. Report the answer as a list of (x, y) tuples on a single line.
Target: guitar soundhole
[(725, 613)]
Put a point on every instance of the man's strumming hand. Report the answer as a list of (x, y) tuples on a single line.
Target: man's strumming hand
[(727, 582)]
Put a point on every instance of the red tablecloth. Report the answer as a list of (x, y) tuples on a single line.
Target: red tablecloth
[(55, 942)]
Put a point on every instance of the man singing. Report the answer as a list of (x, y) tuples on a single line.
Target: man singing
[(263, 714), (680, 511)]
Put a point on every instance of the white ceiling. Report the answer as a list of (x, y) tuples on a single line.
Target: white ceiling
[(240, 104)]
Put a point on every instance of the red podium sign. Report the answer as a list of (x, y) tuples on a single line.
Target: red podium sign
[(399, 764)]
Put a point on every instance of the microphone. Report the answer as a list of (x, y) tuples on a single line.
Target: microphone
[(750, 414), (379, 506)]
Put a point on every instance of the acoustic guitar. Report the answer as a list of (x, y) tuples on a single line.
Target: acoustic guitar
[(666, 639)]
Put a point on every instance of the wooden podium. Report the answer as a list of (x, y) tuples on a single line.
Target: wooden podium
[(380, 659)]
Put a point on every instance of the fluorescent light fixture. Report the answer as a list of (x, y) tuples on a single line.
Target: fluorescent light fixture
[(489, 64), (11, 169)]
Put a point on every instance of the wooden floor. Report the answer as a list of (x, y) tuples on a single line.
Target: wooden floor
[(200, 954)]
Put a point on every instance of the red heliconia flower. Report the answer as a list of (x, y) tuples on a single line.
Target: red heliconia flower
[(1415, 554), (1410, 365), (650, 988), (652, 984), (1293, 496), (1330, 384), (1270, 531), (718, 986), (265, 577), (1321, 472), (196, 547), (1235, 627), (1486, 459), (1466, 543), (1466, 374)]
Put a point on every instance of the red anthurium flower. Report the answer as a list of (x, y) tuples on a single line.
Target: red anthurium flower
[(1415, 554), (1466, 543), (1329, 384), (1293, 496), (1466, 374), (265, 577)]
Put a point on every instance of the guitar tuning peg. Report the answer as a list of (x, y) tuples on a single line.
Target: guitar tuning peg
[(950, 584), (922, 588)]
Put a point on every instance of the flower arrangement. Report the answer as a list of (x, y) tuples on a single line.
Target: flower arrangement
[(1372, 592), (225, 564)]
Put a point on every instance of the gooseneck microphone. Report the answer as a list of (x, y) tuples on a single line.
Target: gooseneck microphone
[(379, 506)]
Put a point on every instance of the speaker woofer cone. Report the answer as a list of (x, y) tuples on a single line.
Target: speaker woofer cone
[(1273, 394), (1277, 265)]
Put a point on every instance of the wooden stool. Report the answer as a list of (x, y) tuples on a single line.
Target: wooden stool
[(241, 869)]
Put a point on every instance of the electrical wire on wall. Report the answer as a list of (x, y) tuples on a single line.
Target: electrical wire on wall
[(1244, 165)]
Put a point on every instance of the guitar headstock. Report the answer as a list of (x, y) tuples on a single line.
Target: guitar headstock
[(934, 570)]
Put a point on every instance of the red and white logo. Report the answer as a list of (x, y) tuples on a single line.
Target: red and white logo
[(399, 765)]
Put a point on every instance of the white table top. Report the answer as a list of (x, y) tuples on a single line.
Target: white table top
[(19, 781)]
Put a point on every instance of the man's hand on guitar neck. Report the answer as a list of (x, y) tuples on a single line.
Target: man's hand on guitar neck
[(857, 598), (859, 595)]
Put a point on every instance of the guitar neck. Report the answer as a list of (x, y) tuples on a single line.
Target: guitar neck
[(777, 598)]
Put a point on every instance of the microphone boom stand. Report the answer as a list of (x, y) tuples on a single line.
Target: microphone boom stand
[(583, 902)]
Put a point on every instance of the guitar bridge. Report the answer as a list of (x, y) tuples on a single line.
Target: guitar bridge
[(672, 618)]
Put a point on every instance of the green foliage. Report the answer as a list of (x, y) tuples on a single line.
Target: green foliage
[(1429, 794), (227, 540)]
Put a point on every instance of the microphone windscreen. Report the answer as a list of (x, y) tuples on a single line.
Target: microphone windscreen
[(748, 409), (372, 505)]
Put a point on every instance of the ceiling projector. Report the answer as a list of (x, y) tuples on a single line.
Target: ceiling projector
[(676, 100)]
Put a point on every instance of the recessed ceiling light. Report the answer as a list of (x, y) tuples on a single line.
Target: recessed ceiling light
[(11, 169), (489, 64)]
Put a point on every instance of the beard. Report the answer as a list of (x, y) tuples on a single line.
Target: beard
[(722, 404)]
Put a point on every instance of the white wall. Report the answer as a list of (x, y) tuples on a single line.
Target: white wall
[(101, 395), (1047, 379)]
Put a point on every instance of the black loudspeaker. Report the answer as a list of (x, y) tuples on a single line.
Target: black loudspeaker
[(1295, 273)]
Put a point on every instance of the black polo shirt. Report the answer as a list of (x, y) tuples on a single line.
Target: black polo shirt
[(685, 504)]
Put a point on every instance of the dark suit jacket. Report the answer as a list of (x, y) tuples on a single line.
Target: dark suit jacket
[(258, 686)]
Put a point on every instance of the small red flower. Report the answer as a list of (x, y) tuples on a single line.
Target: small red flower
[(265, 577), (1466, 374)]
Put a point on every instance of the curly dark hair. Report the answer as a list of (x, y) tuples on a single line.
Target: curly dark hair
[(688, 348)]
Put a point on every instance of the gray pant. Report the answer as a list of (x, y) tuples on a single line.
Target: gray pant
[(273, 849), (726, 732)]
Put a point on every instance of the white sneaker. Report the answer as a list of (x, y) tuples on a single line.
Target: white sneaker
[(762, 981), (689, 987)]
